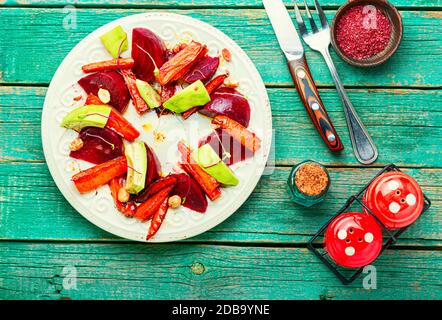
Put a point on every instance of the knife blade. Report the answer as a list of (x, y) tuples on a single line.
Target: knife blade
[(293, 49), (285, 31)]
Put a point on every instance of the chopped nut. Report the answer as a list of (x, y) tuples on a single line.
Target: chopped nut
[(76, 144), (159, 136), (104, 95), (230, 83), (174, 201), (78, 98), (225, 53), (73, 166), (123, 195)]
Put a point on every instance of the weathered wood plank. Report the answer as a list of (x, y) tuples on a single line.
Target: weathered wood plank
[(33, 54), (406, 130), (32, 208), (35, 271), (196, 3)]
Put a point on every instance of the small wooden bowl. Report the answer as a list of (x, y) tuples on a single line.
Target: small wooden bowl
[(396, 32)]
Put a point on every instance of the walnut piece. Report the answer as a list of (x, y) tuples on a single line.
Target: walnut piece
[(76, 144)]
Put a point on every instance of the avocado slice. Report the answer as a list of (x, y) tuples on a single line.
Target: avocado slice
[(209, 160), (114, 39), (136, 156), (192, 96), (149, 95), (87, 116)]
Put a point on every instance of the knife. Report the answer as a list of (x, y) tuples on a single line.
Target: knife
[(294, 52)]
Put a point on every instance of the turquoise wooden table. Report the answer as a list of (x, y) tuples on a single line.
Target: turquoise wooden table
[(260, 252)]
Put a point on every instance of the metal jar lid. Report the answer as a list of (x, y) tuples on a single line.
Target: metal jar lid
[(353, 239), (395, 198)]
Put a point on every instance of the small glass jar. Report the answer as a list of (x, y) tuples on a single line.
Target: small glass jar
[(308, 185)]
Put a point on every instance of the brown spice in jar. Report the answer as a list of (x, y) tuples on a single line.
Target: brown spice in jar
[(311, 179)]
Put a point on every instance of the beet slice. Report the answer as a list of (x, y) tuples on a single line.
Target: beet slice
[(230, 103), (203, 70), (223, 142), (99, 145), (153, 167), (146, 45), (113, 82), (189, 190), (167, 91)]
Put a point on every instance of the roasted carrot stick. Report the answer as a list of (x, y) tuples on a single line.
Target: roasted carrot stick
[(176, 67), (92, 99), (206, 181), (158, 219), (99, 175), (203, 179), (128, 209), (215, 194), (214, 84), (155, 187), (241, 134), (114, 64), (139, 103), (120, 125), (147, 209)]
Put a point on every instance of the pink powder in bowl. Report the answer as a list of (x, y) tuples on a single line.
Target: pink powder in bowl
[(363, 31)]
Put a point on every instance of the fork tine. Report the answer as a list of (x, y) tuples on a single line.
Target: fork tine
[(300, 21), (310, 18), (322, 16)]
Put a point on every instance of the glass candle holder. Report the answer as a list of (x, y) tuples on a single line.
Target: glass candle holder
[(308, 183)]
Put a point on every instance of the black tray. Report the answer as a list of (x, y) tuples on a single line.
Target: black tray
[(348, 275)]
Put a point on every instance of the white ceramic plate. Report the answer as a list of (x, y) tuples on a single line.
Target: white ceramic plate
[(98, 207)]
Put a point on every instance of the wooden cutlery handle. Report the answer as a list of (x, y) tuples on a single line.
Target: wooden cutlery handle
[(312, 102)]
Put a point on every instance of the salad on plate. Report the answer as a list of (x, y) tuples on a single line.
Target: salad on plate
[(179, 80)]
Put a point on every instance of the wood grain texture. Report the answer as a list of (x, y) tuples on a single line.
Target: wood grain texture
[(33, 209), (30, 62), (196, 3), (113, 271), (406, 130)]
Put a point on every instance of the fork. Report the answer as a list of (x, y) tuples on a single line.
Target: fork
[(319, 40)]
